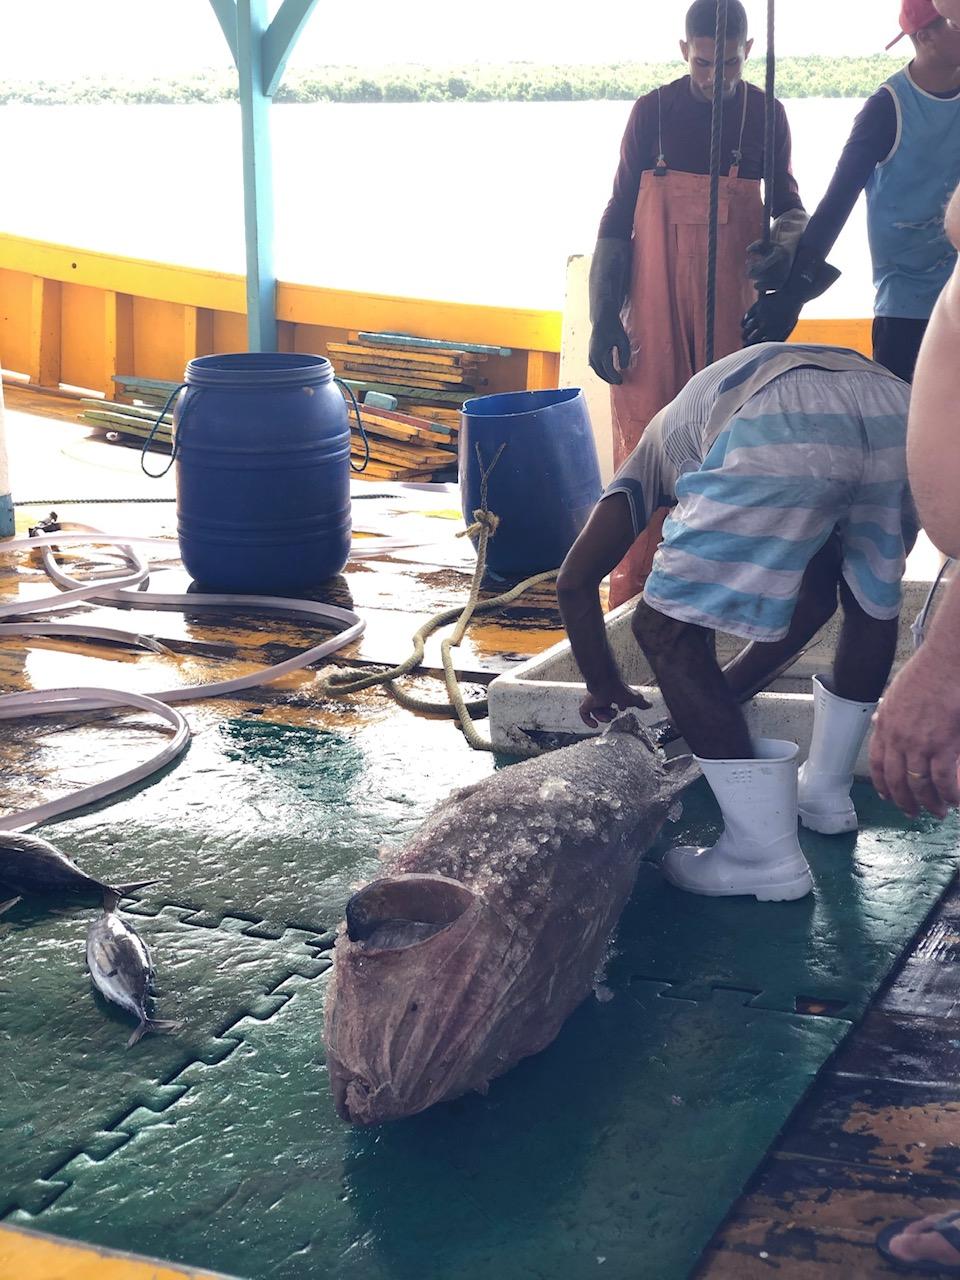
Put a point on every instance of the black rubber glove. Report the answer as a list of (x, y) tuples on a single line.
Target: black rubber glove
[(609, 279), (774, 316), (606, 337)]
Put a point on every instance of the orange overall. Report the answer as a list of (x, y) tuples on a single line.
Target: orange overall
[(665, 315)]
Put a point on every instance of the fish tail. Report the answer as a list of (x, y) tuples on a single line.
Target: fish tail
[(160, 1026), (10, 902), (112, 893)]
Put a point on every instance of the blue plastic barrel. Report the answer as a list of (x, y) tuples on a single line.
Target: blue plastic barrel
[(263, 472), (546, 482)]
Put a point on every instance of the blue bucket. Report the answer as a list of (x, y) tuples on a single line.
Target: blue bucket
[(546, 482), (263, 472)]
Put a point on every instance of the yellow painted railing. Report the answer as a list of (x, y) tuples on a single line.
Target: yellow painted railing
[(30, 1255), (75, 317)]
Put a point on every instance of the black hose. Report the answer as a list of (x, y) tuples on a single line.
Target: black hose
[(716, 136)]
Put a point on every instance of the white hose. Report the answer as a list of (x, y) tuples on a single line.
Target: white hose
[(120, 591), (41, 702)]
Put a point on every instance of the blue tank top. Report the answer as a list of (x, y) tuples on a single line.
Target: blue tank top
[(906, 197)]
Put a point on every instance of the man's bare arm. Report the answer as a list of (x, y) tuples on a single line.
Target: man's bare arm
[(933, 457), (604, 541)]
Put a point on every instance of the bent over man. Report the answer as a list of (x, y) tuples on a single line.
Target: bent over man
[(787, 468)]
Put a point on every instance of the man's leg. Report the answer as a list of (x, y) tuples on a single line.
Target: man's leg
[(755, 784), (701, 703), (758, 663), (896, 344), (843, 709), (865, 652)]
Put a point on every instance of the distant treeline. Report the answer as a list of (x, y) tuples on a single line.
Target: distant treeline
[(810, 77)]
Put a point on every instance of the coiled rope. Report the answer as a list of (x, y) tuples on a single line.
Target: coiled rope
[(342, 683)]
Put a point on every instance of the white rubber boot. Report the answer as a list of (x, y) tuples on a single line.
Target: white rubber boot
[(839, 728), (758, 853)]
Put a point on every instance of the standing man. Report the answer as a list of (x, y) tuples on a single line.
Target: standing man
[(648, 279), (905, 150), (788, 465)]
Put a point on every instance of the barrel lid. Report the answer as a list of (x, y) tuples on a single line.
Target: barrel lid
[(253, 369)]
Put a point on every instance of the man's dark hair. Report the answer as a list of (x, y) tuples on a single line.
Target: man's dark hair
[(702, 20)]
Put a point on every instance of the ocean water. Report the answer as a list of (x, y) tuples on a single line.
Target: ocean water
[(474, 202)]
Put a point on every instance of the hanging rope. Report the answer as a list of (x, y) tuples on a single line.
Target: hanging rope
[(716, 138), (769, 125)]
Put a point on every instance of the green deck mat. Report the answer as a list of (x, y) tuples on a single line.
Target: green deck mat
[(615, 1153), (66, 1076), (271, 822), (872, 892)]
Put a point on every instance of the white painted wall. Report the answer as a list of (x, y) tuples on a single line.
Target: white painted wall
[(575, 369)]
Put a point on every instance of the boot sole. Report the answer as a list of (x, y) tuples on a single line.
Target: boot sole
[(786, 891), (828, 824)]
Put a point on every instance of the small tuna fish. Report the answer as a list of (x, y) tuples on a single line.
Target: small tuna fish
[(491, 924), (29, 865), (122, 971)]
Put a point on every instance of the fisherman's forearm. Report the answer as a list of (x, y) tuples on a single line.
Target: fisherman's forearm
[(586, 630)]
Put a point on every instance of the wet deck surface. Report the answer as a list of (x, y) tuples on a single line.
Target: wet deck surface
[(878, 1137)]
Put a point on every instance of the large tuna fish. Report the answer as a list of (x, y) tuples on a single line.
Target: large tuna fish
[(490, 926)]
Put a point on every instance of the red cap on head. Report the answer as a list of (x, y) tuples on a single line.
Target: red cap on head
[(914, 16)]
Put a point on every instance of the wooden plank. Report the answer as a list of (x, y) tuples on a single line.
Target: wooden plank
[(403, 455), (141, 413), (411, 356), (384, 360), (408, 430), (440, 344), (390, 431), (407, 393), (432, 381), (153, 384), (399, 415)]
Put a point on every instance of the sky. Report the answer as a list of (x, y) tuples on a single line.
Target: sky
[(56, 39)]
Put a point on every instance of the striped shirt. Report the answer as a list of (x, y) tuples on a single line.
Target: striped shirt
[(679, 438)]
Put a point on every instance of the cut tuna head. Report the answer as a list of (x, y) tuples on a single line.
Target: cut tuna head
[(419, 983)]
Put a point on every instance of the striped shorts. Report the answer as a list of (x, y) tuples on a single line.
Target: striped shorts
[(811, 452)]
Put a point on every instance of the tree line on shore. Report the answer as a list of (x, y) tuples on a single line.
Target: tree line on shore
[(807, 77)]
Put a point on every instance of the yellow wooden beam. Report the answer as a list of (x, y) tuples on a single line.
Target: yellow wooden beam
[(32, 1255), (855, 334), (458, 321), (302, 304), (166, 282), (44, 366), (118, 341)]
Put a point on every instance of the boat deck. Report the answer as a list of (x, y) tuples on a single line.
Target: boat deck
[(878, 1136)]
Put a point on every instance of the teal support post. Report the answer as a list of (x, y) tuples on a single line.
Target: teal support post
[(260, 51), (257, 177)]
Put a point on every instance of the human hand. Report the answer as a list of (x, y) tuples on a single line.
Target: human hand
[(603, 705), (916, 742), (608, 336), (772, 318), (768, 264)]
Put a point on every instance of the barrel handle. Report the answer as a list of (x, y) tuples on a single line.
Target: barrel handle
[(158, 475), (363, 435)]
